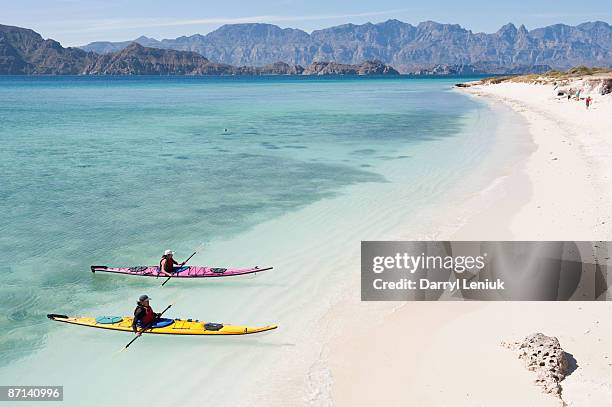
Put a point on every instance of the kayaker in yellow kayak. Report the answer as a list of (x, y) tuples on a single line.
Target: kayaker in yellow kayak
[(166, 264), (143, 314)]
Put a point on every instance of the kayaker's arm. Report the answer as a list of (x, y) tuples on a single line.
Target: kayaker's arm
[(178, 264), (138, 315)]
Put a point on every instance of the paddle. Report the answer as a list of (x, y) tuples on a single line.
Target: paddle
[(145, 328), (185, 262)]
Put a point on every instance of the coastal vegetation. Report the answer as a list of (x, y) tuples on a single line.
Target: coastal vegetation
[(578, 78)]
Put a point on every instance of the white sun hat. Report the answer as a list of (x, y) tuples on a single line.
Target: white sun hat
[(168, 253)]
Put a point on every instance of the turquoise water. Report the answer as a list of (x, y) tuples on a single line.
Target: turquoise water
[(115, 170)]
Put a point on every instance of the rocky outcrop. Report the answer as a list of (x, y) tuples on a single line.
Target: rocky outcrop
[(606, 87), (480, 69), (139, 60), (406, 47), (446, 70), (601, 86), (375, 68), (23, 51), (11, 62), (333, 68), (277, 68), (544, 356)]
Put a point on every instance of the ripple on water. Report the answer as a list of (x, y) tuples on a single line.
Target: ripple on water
[(364, 151)]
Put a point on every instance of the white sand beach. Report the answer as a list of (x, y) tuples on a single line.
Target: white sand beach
[(570, 172), (450, 353)]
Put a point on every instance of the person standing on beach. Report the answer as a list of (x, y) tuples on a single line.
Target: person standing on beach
[(588, 102), (143, 314), (166, 264)]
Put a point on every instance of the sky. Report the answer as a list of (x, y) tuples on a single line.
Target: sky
[(78, 22)]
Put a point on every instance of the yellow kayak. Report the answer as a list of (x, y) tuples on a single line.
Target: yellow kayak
[(165, 326)]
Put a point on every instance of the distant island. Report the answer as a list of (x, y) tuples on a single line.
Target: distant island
[(387, 48), (138, 60)]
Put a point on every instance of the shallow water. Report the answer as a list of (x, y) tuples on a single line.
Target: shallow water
[(259, 170)]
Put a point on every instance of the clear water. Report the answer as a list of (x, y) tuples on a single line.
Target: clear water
[(115, 170)]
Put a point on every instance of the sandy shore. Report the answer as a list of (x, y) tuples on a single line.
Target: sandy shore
[(449, 354), (570, 171)]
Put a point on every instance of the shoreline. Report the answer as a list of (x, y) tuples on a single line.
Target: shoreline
[(315, 384), (312, 264), (568, 181), (435, 352)]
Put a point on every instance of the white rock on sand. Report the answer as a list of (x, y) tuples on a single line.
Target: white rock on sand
[(544, 356)]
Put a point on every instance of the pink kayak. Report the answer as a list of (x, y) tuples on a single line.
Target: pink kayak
[(179, 272)]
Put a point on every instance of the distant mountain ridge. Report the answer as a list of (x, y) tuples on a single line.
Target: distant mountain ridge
[(25, 52), (406, 47)]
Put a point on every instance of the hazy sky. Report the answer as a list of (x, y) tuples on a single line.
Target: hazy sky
[(77, 22)]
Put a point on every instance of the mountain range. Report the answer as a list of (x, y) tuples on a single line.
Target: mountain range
[(265, 49), (25, 52), (406, 47)]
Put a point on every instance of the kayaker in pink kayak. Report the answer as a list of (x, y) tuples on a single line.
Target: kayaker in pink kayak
[(143, 314), (166, 264)]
